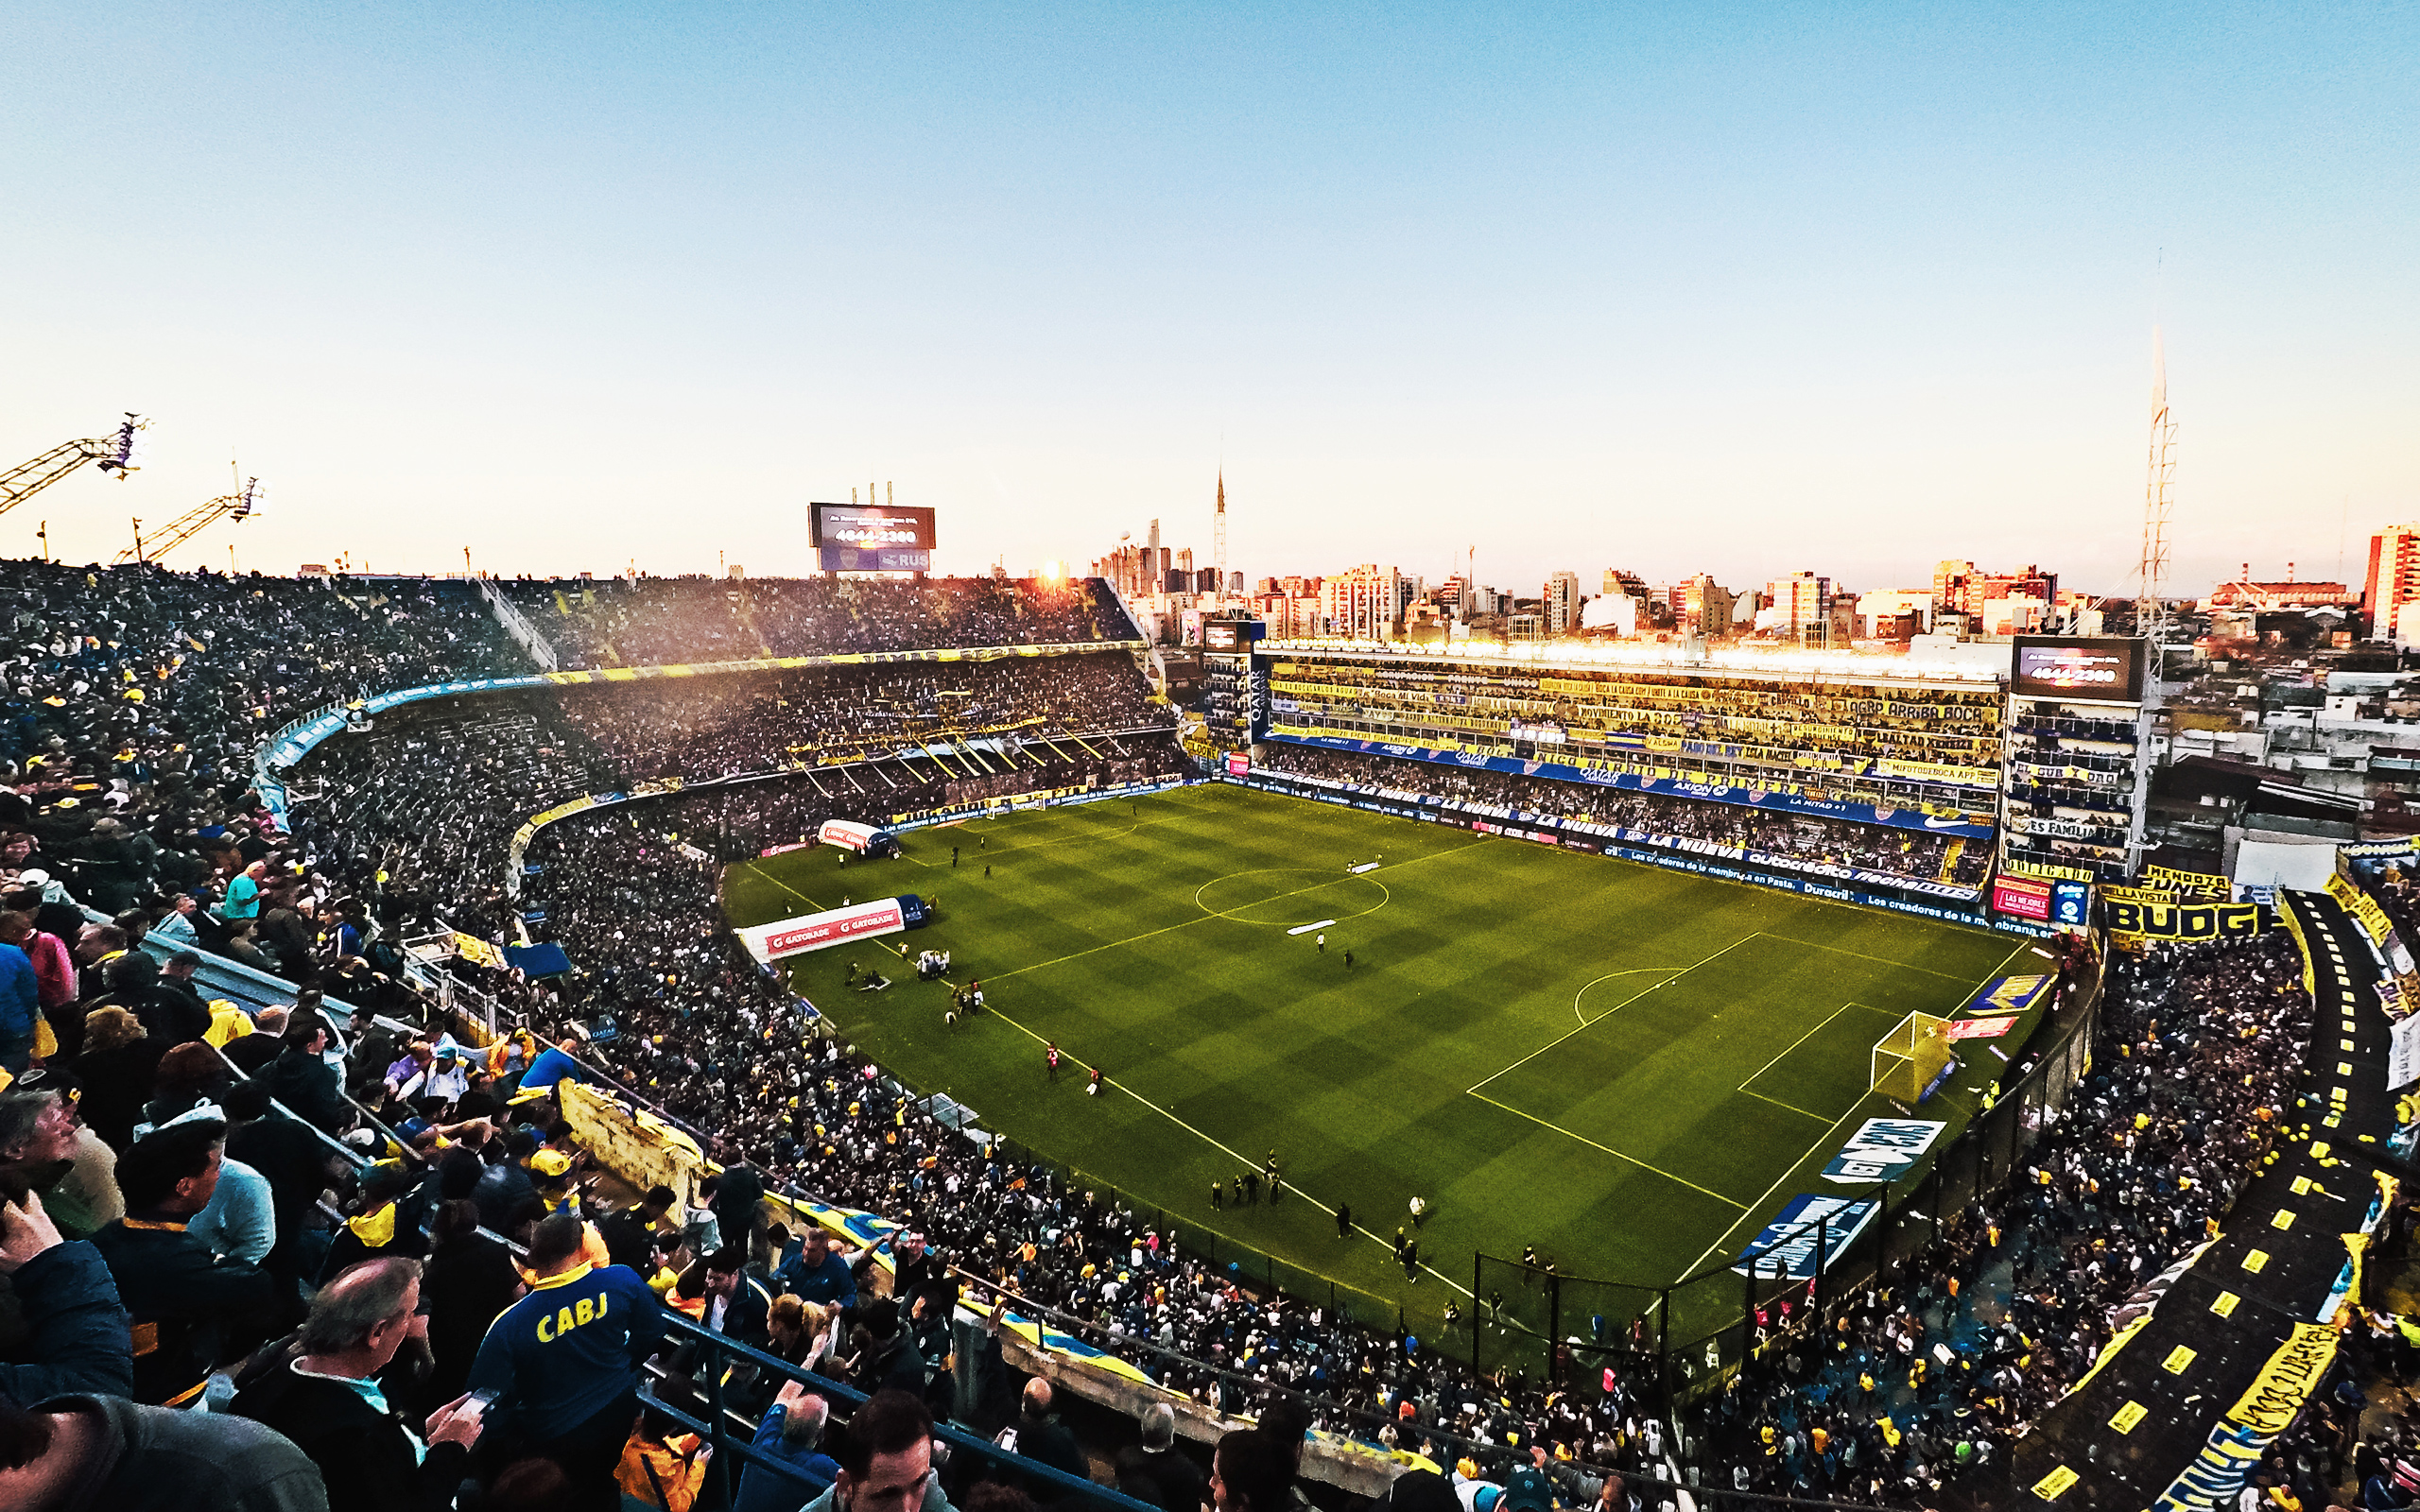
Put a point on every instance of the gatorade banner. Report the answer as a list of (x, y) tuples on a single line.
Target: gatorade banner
[(1883, 1149), (815, 932), (1785, 1249)]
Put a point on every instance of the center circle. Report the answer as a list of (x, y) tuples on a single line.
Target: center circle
[(1289, 896)]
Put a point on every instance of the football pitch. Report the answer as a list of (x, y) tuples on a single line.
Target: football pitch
[(1629, 1067)]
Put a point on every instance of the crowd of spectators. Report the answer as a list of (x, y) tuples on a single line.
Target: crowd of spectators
[(1804, 838), (214, 1219), (1768, 720), (701, 728), (663, 621)]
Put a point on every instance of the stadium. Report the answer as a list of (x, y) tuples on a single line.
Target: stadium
[(1473, 1047)]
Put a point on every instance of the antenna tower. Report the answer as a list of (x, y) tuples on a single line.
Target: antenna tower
[(1219, 531), (2151, 614)]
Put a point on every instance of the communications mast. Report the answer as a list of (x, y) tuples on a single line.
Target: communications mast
[(2150, 612)]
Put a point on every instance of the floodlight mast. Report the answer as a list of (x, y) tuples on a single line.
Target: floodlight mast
[(120, 452), (243, 504)]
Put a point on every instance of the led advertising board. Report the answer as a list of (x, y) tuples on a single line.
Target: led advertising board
[(870, 537), (2104, 669)]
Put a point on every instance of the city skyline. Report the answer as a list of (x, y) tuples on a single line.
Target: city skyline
[(1680, 292)]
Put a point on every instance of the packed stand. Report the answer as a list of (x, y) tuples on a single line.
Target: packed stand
[(699, 727), (666, 621), (1912, 853)]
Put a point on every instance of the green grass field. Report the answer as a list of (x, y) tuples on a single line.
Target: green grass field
[(1629, 1067)]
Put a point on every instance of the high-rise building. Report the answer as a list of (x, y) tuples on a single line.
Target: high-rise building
[(1802, 605), (2395, 576), (1365, 602), (1629, 585), (1961, 587), (1704, 608), (1559, 603)]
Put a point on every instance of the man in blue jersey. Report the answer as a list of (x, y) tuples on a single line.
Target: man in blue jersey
[(565, 1360)]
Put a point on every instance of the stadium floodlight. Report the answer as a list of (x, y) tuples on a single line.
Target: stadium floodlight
[(120, 452), (244, 502), (126, 448)]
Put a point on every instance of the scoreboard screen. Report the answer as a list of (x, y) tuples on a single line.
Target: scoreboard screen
[(871, 538), (2104, 669)]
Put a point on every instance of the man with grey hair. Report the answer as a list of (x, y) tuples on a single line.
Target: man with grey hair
[(46, 1146), (792, 1432), (1155, 1470), (327, 1399)]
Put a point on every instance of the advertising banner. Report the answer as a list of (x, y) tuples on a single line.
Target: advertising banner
[(815, 932), (2200, 885), (2009, 994), (2022, 896), (2372, 920), (1766, 798), (2217, 1476), (2135, 916), (2070, 905), (1980, 1028), (2403, 1055), (1883, 1149), (2092, 668), (1785, 1249), (1238, 764), (852, 538)]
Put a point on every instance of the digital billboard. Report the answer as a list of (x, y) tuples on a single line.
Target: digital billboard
[(1219, 636), (2106, 669), (2022, 897), (871, 538)]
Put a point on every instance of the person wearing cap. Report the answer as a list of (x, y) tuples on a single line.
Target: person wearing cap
[(551, 1178)]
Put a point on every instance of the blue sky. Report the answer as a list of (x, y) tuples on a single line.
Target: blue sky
[(1740, 289)]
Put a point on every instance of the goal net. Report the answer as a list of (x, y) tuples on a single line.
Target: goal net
[(1910, 1056)]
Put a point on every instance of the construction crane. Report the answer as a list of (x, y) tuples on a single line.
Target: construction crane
[(249, 495), (121, 451)]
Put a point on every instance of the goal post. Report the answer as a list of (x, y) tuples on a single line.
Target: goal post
[(1908, 1059)]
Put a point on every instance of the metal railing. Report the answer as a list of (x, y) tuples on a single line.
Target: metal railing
[(721, 1355)]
